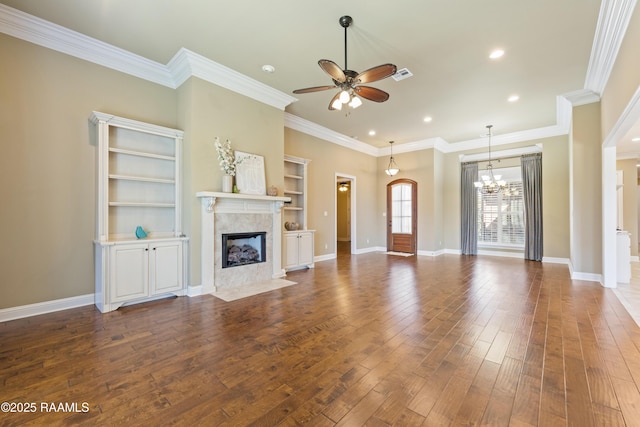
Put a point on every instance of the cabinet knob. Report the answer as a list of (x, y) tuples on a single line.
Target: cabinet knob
[(146, 249)]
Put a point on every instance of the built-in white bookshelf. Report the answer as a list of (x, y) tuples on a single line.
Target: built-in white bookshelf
[(298, 244), (139, 185)]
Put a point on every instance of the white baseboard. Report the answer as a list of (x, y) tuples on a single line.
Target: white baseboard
[(326, 257), (29, 310), (587, 277), (371, 249), (453, 251), (432, 253), (194, 291), (552, 260)]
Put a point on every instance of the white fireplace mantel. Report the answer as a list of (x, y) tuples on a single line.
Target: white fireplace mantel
[(232, 203)]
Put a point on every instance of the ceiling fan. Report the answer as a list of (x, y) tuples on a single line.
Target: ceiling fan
[(349, 81)]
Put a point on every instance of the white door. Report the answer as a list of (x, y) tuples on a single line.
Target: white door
[(291, 250), (166, 267), (129, 271), (305, 249)]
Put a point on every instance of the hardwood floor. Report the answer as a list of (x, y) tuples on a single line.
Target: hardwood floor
[(368, 339)]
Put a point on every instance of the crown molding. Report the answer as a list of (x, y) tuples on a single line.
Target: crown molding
[(186, 63), (581, 97), (613, 21), (183, 65), (625, 122), (29, 28), (314, 129)]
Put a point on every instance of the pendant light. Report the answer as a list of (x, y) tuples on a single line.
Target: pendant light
[(393, 168), (490, 183)]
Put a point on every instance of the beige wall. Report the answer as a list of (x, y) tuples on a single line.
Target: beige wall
[(586, 167), (207, 111), (47, 166), (327, 160), (425, 167), (555, 197)]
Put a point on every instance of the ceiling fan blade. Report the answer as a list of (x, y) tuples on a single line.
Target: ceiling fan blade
[(333, 70), (371, 93), (376, 73), (313, 89), (336, 96)]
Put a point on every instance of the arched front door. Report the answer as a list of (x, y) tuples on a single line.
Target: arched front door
[(402, 209)]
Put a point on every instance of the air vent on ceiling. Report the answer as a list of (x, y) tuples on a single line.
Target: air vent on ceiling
[(402, 74)]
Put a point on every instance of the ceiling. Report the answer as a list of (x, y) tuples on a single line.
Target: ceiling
[(444, 44)]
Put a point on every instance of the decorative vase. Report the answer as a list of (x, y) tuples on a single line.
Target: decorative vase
[(272, 191), (227, 183)]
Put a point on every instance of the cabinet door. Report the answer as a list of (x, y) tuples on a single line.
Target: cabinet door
[(129, 272), (166, 267), (291, 252), (305, 249)]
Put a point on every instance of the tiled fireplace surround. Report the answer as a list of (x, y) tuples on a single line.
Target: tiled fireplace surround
[(239, 213)]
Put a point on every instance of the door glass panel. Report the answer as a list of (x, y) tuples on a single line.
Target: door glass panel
[(401, 208)]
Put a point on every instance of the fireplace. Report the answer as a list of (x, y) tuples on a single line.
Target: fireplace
[(244, 248), (232, 213)]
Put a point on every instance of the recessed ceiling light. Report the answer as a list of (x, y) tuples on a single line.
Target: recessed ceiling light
[(427, 119), (635, 139), (372, 132), (496, 54), (268, 68), (513, 98)]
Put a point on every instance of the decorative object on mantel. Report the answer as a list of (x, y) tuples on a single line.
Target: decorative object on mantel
[(140, 233), (291, 226), (272, 191), (228, 163), (250, 174), (227, 183)]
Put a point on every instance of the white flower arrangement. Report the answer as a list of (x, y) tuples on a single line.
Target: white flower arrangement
[(227, 158)]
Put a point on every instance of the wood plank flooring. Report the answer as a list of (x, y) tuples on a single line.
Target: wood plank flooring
[(368, 339)]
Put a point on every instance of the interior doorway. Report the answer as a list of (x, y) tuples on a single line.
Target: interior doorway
[(345, 196), (402, 213)]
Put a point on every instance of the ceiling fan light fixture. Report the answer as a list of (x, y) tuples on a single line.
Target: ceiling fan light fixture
[(349, 81), (337, 104)]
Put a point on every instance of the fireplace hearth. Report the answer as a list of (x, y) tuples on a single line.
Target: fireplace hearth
[(244, 248)]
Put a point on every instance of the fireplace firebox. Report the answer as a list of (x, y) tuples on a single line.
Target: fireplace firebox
[(244, 248)]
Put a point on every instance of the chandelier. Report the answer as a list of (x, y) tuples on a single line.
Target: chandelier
[(393, 168), (490, 183)]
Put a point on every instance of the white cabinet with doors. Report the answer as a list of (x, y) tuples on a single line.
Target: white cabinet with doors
[(139, 185), (298, 249)]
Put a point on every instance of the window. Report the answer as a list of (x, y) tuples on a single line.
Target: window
[(501, 215), (401, 208)]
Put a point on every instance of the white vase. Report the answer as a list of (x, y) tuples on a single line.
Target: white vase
[(227, 183)]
